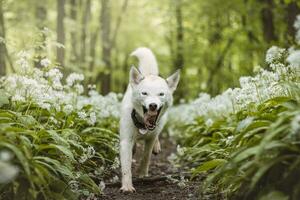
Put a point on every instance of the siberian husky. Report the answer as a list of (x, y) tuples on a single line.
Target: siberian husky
[(143, 113)]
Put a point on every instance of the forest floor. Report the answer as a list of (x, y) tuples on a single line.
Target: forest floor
[(158, 185)]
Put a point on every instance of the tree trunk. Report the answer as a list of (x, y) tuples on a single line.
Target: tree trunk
[(94, 37), (108, 42), (2, 42), (179, 49), (105, 19), (73, 16), (292, 11), (60, 31), (84, 28), (267, 20), (41, 16), (118, 23), (211, 84)]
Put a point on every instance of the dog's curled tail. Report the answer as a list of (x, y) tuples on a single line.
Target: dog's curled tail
[(147, 61)]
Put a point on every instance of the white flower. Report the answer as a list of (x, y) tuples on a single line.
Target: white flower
[(209, 122), (79, 88), (18, 97), (74, 185), (93, 118), (90, 151), (46, 106), (54, 74), (81, 115), (295, 124), (274, 54), (116, 164), (294, 58), (5, 155), (102, 185), (68, 109), (53, 120), (115, 179), (45, 62), (180, 150), (7, 172), (83, 158), (73, 77)]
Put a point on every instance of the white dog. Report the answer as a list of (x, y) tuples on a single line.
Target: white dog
[(143, 113)]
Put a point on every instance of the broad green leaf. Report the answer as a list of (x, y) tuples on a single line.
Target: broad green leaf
[(3, 98), (274, 195), (208, 165)]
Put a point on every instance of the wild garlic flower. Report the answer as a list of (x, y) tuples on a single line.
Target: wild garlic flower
[(295, 124), (74, 77), (7, 172), (45, 62), (294, 59), (101, 185), (82, 114), (274, 54), (68, 109), (253, 90)]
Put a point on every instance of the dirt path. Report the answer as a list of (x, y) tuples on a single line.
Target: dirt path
[(159, 185)]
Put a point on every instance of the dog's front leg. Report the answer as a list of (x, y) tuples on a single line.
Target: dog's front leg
[(126, 144), (145, 161)]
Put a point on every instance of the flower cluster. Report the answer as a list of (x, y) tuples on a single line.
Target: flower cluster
[(266, 84), (45, 88)]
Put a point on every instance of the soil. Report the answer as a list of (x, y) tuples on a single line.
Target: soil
[(158, 185)]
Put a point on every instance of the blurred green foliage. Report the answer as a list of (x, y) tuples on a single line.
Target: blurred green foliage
[(214, 41)]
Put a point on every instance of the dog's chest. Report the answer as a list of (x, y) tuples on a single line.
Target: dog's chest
[(147, 135)]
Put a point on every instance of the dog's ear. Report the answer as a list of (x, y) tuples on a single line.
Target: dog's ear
[(135, 76), (173, 80)]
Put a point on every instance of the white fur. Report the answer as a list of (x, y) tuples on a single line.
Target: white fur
[(147, 80), (147, 61)]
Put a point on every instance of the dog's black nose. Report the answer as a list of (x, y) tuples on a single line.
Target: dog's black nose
[(152, 106)]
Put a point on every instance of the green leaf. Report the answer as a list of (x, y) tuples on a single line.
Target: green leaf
[(87, 181), (60, 148), (274, 195), (21, 157), (3, 98), (208, 165)]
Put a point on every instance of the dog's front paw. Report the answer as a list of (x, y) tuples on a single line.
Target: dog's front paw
[(156, 148), (127, 189)]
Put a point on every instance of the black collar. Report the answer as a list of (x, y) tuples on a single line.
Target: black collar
[(136, 118)]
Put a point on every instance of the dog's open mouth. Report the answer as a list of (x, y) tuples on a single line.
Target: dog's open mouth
[(150, 118)]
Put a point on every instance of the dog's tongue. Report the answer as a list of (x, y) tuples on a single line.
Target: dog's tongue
[(150, 118)]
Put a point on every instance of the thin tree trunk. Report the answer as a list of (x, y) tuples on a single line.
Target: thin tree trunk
[(105, 19), (118, 23), (60, 31), (179, 60), (125, 68), (210, 82), (108, 42), (93, 45), (292, 11), (73, 15), (267, 19), (2, 41), (41, 16), (179, 52), (84, 28)]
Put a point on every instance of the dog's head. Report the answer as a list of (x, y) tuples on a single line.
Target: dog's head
[(152, 95)]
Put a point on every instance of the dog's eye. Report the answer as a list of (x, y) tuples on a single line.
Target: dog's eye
[(144, 93), (161, 94)]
